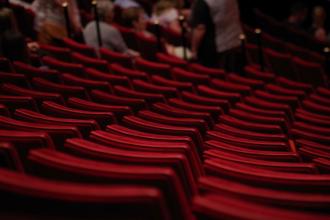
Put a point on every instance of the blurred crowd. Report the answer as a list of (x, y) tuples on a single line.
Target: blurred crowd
[(211, 27)]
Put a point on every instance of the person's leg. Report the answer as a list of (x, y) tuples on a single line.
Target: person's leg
[(221, 58), (230, 60)]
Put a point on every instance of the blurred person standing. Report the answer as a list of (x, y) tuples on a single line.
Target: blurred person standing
[(216, 28)]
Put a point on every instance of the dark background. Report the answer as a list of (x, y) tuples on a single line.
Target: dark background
[(278, 9)]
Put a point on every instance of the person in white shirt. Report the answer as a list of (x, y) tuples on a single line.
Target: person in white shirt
[(215, 36)]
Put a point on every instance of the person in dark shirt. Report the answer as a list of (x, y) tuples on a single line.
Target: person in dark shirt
[(203, 34), (215, 36), (12, 43)]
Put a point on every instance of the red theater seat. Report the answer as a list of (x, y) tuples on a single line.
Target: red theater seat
[(95, 63), (212, 72), (31, 71), (65, 67), (153, 68), (147, 45), (182, 163), (323, 91), (85, 126), (315, 107), (250, 126), (107, 98), (172, 83), (102, 117), (297, 200), (278, 180), (251, 153), (280, 90), (244, 133), (187, 122), (181, 74), (107, 153), (311, 153), (319, 99), (309, 72), (230, 86), (285, 99), (64, 167), (144, 86), (203, 100), (290, 84), (266, 120), (37, 95), (246, 142), (59, 53), (79, 47), (116, 57), (290, 167), (14, 78), (253, 83), (171, 60), (118, 110), (213, 206), (4, 111), (108, 77), (58, 132), (215, 111), (65, 90), (269, 104), (280, 63), (323, 164), (254, 73), (13, 102), (130, 73), (9, 157), (5, 65), (88, 84), (23, 140), (261, 111), (181, 113), (130, 93), (158, 128), (40, 198), (232, 97)]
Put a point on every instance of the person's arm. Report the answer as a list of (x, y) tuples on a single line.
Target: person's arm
[(198, 23), (197, 35), (75, 16)]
